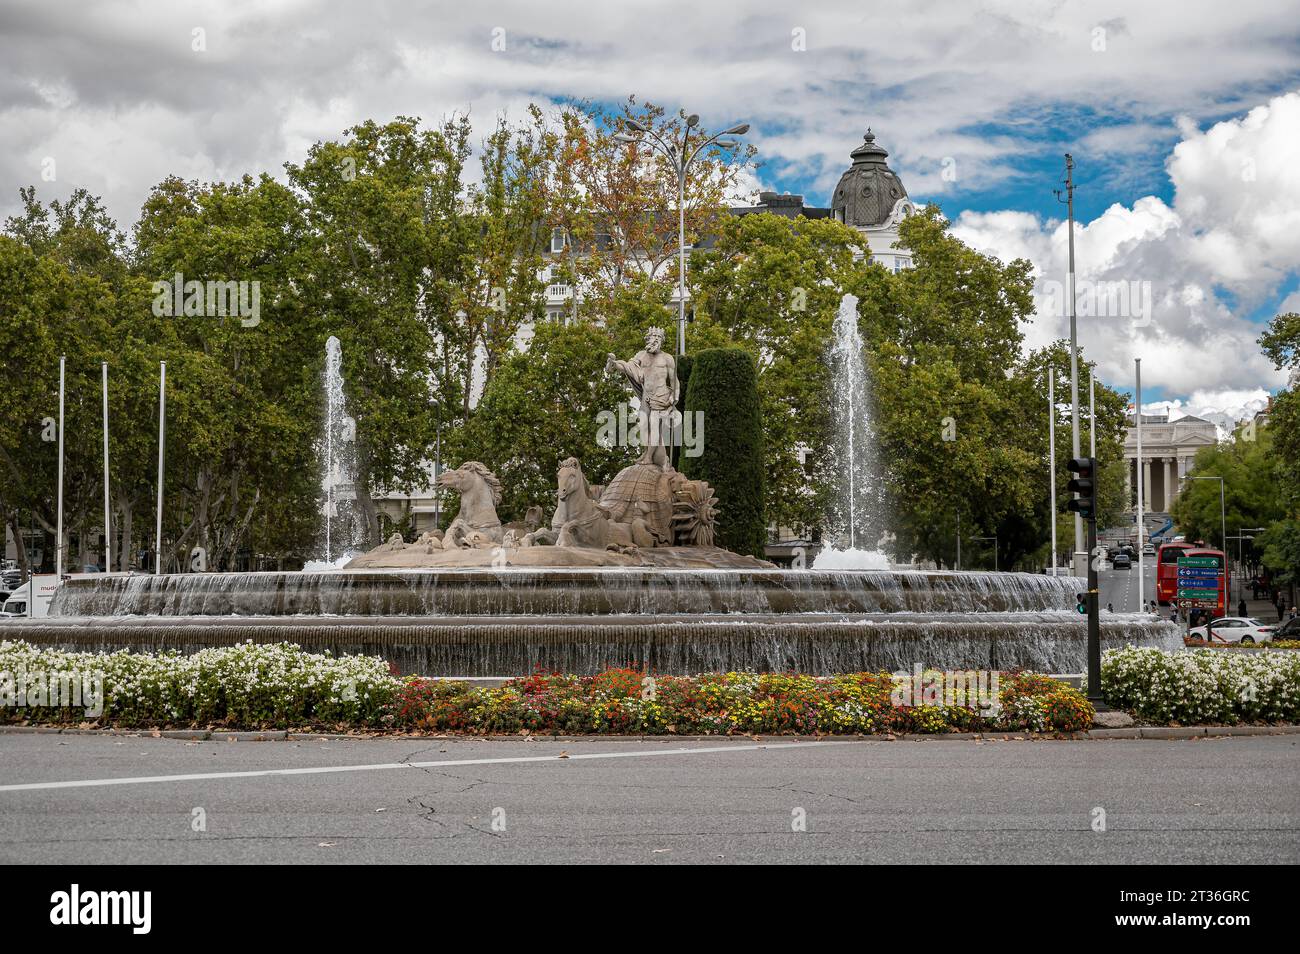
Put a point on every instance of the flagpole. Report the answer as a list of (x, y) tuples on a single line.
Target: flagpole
[(108, 521), (1142, 593), (1051, 450), (162, 444), (58, 543)]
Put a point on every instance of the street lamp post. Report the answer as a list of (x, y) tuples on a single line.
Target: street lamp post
[(680, 156), (1080, 555), (1223, 521), (1223, 526), (1241, 535)]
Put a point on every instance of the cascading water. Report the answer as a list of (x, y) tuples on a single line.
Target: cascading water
[(858, 511), (340, 527), (473, 623)]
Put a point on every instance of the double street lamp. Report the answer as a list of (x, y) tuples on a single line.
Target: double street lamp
[(680, 155), (1223, 520), (1244, 533)]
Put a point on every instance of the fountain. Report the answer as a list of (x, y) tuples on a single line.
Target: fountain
[(338, 479), (859, 513), (627, 574)]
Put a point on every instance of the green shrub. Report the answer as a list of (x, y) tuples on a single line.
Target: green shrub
[(1199, 686), (724, 388), (248, 685)]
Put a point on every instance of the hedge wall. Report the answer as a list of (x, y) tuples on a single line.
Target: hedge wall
[(723, 385)]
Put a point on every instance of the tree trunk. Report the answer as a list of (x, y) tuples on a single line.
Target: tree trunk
[(124, 554), (11, 519)]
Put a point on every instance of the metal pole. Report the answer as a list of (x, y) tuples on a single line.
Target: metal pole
[(681, 251), (1223, 520), (1074, 356), (1142, 593), (108, 522), (1223, 534), (162, 445), (1094, 610), (437, 472), (1051, 452), (959, 539), (1092, 416), (58, 542)]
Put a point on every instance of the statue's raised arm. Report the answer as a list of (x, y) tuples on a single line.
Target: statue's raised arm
[(631, 370)]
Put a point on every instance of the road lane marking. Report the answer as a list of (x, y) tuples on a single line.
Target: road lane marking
[(384, 766)]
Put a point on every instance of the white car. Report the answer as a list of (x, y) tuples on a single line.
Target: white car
[(1235, 629)]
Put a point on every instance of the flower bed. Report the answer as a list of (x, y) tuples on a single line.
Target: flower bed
[(280, 685), (625, 701), (1199, 686), (248, 685)]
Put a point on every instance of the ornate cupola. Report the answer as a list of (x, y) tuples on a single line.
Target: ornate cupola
[(869, 192)]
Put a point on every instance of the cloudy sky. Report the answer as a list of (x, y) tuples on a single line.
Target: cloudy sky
[(1183, 117)]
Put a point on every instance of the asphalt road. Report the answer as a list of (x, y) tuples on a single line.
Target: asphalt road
[(649, 801), (1120, 588)]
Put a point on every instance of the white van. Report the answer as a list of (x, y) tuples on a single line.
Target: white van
[(20, 602)]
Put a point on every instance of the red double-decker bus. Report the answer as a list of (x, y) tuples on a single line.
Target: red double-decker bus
[(1220, 607), (1167, 570)]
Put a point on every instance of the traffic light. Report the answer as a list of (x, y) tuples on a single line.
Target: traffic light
[(1085, 469), (1081, 603)]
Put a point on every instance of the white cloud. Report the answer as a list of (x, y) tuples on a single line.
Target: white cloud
[(1223, 248), (119, 98), (277, 76)]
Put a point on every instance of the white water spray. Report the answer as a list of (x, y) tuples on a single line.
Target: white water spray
[(341, 528), (860, 499)]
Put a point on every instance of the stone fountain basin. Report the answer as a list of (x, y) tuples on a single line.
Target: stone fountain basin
[(513, 621), (549, 592)]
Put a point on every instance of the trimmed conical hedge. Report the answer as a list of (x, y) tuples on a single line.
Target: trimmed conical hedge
[(724, 386)]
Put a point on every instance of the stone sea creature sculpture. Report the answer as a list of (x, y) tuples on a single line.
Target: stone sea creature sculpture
[(695, 512), (643, 491), (476, 525), (584, 523)]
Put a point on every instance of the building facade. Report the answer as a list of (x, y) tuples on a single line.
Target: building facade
[(1168, 450)]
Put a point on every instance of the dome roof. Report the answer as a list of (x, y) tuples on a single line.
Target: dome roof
[(869, 190)]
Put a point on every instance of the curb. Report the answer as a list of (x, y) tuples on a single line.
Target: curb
[(1150, 733)]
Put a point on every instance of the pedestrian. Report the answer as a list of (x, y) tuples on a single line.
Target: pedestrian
[(1280, 610), (1241, 606), (1293, 613), (1110, 607)]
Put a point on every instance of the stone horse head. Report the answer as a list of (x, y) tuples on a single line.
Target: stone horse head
[(572, 494), (476, 523)]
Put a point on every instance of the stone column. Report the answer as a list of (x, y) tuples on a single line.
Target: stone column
[(1146, 485), (1128, 483), (1168, 494)]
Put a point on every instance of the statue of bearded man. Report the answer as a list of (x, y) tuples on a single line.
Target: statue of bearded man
[(653, 376)]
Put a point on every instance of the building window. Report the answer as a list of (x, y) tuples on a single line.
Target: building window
[(557, 240)]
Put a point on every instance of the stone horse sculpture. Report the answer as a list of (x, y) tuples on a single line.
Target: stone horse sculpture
[(476, 524), (584, 523)]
